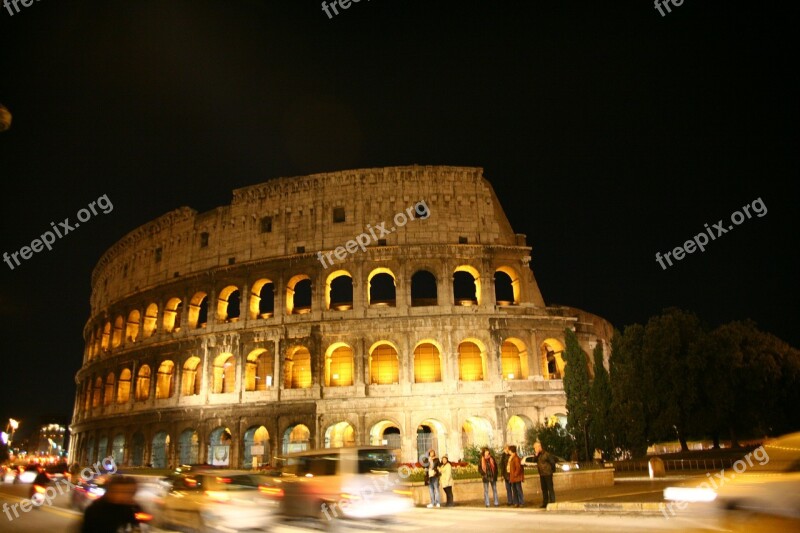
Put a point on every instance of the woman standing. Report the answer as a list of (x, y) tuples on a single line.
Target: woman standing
[(488, 471), (447, 480)]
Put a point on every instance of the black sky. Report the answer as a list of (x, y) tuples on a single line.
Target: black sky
[(609, 133)]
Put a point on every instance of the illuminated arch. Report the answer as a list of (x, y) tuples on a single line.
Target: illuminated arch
[(164, 380), (190, 385), (427, 362), (340, 435), (143, 383), (472, 360), (224, 373), (258, 370), (124, 386), (297, 369), (517, 431), (292, 290), (339, 365), (229, 304), (150, 320), (98, 392), (507, 285), (384, 364), (345, 303), (105, 343), (380, 280), (296, 438), (116, 337), (132, 326), (256, 438), (262, 299), (476, 431), (431, 435), (108, 395), (514, 359), (172, 315), (386, 433), (465, 298), (198, 310), (552, 358)]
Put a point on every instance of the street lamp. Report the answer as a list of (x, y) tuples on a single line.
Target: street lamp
[(13, 424)]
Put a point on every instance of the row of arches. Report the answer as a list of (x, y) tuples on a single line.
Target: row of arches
[(256, 448), (260, 369), (338, 295)]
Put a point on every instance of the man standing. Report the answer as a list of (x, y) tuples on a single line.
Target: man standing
[(546, 464), (487, 468), (432, 473), (504, 472), (516, 475)]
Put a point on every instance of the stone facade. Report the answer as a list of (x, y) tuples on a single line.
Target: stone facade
[(254, 329)]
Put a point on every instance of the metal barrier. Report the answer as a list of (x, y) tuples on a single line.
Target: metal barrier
[(707, 465)]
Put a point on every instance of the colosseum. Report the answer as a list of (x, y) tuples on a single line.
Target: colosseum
[(378, 306)]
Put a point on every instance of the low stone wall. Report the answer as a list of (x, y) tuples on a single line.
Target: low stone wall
[(465, 490)]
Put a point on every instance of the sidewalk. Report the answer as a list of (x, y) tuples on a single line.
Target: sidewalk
[(629, 494)]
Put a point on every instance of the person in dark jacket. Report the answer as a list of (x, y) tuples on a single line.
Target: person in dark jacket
[(504, 472), (516, 475), (115, 510), (432, 474), (487, 468), (546, 464)]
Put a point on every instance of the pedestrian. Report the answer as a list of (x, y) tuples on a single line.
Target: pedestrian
[(432, 474), (487, 468), (116, 510), (516, 475), (504, 472), (546, 464), (446, 480)]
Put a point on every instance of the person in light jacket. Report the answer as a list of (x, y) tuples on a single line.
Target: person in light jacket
[(516, 475), (446, 480)]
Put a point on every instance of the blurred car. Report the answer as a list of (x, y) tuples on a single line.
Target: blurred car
[(85, 491), (355, 483), (562, 465), (57, 471), (10, 473), (219, 500), (765, 482), (28, 473)]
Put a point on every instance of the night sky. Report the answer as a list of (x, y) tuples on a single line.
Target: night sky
[(608, 131)]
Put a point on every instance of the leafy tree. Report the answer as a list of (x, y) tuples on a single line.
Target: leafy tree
[(600, 403), (628, 381), (554, 438), (576, 388)]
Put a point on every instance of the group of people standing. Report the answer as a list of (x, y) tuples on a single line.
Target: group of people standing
[(440, 473)]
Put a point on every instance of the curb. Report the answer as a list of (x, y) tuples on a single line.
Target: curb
[(608, 507)]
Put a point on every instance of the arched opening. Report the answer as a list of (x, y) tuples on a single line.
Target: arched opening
[(132, 327), (296, 438), (228, 307), (431, 435), (557, 418), (382, 288), (427, 363), (87, 395), (137, 449), (102, 447), (124, 386), (476, 431), (423, 289), (384, 366), (98, 392), (150, 320), (517, 431), (514, 359), (552, 351), (108, 395), (160, 451), (339, 366), (262, 299), (116, 337), (118, 449), (258, 371), (219, 447), (190, 385), (198, 310), (172, 315), (189, 447), (224, 374), (143, 383), (340, 435), (256, 447), (339, 291), (466, 286), (298, 295), (386, 433), (164, 380), (506, 286), (297, 368), (104, 344), (90, 450), (98, 341), (471, 362)]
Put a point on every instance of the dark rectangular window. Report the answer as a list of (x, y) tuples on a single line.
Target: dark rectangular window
[(158, 254), (301, 249), (266, 224), (462, 240), (231, 260), (381, 242), (125, 271), (204, 239), (338, 214)]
